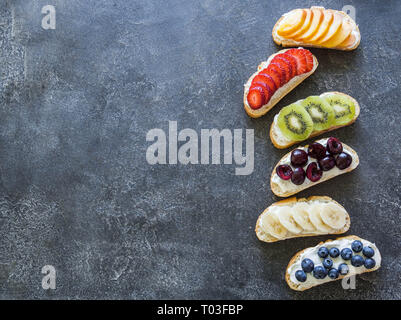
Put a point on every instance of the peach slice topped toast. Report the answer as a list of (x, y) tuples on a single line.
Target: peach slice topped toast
[(311, 117), (317, 27), (275, 77)]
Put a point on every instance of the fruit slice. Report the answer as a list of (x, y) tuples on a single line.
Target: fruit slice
[(320, 111), (281, 70), (343, 107), (314, 26), (309, 59), (300, 57), (333, 215), (285, 64), (266, 90), (293, 62), (295, 122), (304, 27), (271, 224), (343, 33), (286, 219), (324, 27), (267, 79), (348, 42), (291, 22), (275, 73), (334, 28), (315, 218), (256, 97), (301, 216)]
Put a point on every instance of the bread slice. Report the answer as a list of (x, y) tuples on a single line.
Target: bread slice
[(285, 188), (301, 286), (290, 203), (280, 92), (281, 142), (291, 43)]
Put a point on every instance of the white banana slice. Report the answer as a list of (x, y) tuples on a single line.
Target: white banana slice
[(301, 216), (285, 217), (333, 215), (315, 218), (271, 225)]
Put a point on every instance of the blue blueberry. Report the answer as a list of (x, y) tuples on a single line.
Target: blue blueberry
[(334, 252), (327, 263), (323, 252), (343, 269), (300, 276), (357, 261), (333, 273), (319, 272), (370, 263), (368, 252), (346, 253), (307, 265), (356, 246)]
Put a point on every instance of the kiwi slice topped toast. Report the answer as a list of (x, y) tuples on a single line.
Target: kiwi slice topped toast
[(312, 116), (320, 111), (343, 107), (295, 122)]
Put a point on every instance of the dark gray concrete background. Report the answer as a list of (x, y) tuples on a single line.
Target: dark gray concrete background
[(77, 193)]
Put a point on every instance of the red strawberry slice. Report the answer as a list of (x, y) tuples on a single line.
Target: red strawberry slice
[(256, 97), (285, 64), (300, 57), (274, 73), (293, 62), (267, 79), (309, 59), (266, 89), (280, 70)]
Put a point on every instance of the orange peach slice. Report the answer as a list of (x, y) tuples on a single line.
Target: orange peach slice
[(314, 26), (324, 26), (340, 36), (348, 42), (304, 27), (334, 29), (291, 22)]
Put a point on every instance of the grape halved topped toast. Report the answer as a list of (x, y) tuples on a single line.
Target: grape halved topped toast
[(307, 166)]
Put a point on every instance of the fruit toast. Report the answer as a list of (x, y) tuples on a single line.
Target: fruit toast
[(307, 166), (275, 77), (292, 218), (332, 260), (327, 112), (317, 27)]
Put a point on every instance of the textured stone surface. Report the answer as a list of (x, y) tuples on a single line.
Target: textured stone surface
[(76, 191)]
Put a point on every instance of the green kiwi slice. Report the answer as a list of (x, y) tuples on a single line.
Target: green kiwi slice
[(295, 122), (320, 111), (343, 107)]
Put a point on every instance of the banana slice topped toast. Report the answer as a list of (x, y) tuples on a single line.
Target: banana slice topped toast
[(292, 218), (332, 260)]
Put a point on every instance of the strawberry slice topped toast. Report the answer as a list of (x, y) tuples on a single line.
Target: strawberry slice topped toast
[(275, 77)]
